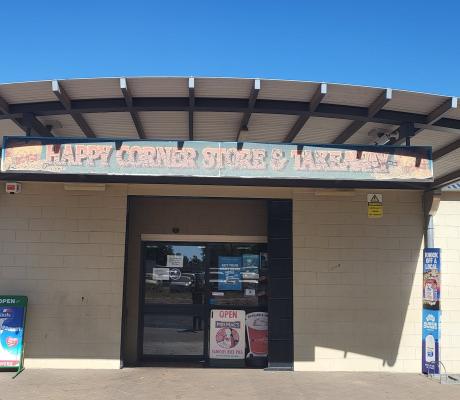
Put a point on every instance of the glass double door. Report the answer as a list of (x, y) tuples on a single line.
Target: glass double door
[(182, 282)]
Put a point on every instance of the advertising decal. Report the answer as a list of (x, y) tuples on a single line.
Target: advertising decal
[(227, 334), (430, 341), (229, 273), (257, 329), (431, 319), (12, 320)]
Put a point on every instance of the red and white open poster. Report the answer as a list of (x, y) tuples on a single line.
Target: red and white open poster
[(227, 336)]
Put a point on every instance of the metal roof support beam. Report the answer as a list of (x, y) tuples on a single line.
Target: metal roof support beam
[(446, 150), (64, 99), (372, 110), (191, 106), (4, 106), (263, 106), (434, 116), (251, 103), (129, 102), (33, 126), (5, 109), (447, 179), (315, 101)]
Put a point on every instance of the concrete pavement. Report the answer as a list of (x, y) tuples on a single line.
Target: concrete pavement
[(216, 384)]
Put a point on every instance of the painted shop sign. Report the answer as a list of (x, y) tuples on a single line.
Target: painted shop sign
[(215, 159)]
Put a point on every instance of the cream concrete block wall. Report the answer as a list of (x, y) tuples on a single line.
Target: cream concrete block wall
[(357, 282), (65, 251), (447, 237)]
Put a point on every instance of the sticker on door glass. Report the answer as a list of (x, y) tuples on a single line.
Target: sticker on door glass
[(174, 261), (229, 273), (227, 335), (160, 274)]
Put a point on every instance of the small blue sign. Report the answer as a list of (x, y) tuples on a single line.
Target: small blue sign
[(430, 341), (229, 273)]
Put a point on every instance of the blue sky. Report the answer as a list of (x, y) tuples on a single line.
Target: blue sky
[(405, 44)]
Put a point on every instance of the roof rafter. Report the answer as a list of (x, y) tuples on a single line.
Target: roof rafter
[(251, 103), (64, 99), (447, 179), (372, 110), (446, 149), (264, 106), (4, 106), (434, 116), (315, 101), (34, 125), (129, 102), (191, 106)]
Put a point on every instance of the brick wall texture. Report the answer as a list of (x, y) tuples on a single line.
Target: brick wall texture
[(447, 237), (65, 251), (357, 281)]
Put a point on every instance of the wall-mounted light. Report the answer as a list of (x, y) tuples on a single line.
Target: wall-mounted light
[(85, 187), (335, 192)]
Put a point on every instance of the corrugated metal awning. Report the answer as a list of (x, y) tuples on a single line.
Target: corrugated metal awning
[(229, 109)]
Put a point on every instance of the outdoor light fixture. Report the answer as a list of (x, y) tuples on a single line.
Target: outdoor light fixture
[(89, 187), (335, 192)]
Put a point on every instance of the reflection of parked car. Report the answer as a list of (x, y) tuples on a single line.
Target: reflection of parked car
[(184, 284)]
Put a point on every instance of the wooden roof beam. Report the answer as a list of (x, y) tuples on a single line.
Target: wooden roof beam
[(372, 110), (433, 117), (129, 102), (315, 101), (191, 104), (251, 103), (65, 100)]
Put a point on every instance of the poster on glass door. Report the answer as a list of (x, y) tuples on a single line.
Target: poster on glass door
[(227, 334), (229, 273)]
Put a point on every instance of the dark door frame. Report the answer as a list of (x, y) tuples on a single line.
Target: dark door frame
[(280, 307)]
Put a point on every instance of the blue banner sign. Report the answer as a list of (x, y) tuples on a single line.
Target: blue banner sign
[(216, 159), (430, 341), (431, 278), (12, 319), (229, 273)]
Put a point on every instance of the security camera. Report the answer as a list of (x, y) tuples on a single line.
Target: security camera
[(381, 137), (13, 187)]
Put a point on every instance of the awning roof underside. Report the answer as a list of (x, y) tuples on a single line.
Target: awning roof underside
[(234, 109)]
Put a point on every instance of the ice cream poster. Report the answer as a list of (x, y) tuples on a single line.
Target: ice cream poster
[(430, 341), (12, 316), (257, 329), (227, 334)]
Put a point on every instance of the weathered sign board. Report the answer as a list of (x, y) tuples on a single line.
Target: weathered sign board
[(216, 159)]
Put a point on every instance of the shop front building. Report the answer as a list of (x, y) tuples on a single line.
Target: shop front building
[(230, 223)]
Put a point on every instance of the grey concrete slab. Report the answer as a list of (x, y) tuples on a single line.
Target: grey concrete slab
[(216, 384)]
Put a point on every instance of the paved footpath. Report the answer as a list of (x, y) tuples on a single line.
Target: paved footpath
[(216, 384)]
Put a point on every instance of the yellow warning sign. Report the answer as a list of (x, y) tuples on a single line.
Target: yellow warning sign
[(374, 205)]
